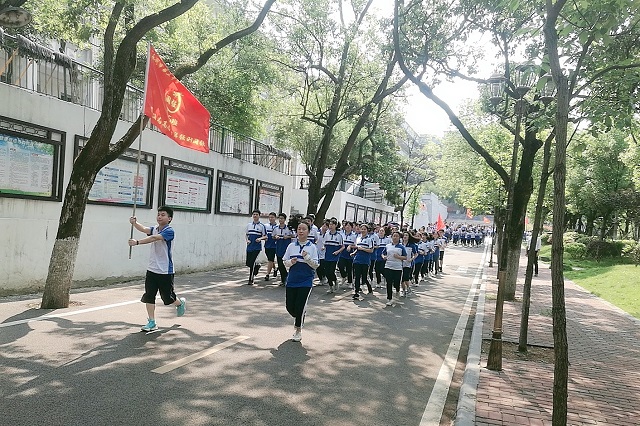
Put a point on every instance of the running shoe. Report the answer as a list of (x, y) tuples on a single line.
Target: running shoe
[(355, 296), (182, 307), (151, 325), (389, 302), (267, 278), (297, 336), (330, 291)]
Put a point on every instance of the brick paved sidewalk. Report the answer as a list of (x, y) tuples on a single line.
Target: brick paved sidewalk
[(604, 356)]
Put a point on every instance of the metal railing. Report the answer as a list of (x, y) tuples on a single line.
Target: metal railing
[(30, 66), (375, 195)]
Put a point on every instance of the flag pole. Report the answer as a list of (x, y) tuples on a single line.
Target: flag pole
[(137, 176)]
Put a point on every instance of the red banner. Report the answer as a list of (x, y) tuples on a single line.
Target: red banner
[(439, 223), (469, 214), (173, 109)]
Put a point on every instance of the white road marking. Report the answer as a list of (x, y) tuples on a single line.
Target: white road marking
[(186, 360), (98, 308), (435, 406)]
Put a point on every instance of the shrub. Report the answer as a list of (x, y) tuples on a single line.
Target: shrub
[(598, 249), (575, 250), (585, 239), (632, 251), (570, 237)]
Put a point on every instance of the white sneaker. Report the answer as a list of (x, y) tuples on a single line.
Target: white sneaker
[(297, 336), (330, 291), (389, 302)]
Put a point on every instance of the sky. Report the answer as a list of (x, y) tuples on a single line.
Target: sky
[(425, 117)]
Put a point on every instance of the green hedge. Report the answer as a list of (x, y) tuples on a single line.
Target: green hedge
[(579, 246)]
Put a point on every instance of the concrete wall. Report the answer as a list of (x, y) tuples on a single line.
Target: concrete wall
[(430, 208), (28, 227)]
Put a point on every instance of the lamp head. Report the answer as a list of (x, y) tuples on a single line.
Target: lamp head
[(525, 77), (496, 88), (14, 17)]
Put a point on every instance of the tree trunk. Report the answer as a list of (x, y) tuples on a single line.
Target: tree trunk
[(561, 349), (65, 248), (513, 267), (531, 258)]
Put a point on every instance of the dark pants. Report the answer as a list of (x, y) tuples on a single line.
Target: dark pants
[(416, 272), (283, 271), (330, 271), (371, 269), (379, 271), (535, 263), (393, 278), (296, 302), (254, 267), (360, 271), (346, 269), (321, 271)]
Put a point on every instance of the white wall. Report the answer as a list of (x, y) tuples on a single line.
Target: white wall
[(429, 210), (203, 241)]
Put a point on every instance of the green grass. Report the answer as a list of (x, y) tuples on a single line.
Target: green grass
[(614, 280)]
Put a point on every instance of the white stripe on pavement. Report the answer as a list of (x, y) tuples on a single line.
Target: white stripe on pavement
[(186, 360), (97, 308), (435, 406)]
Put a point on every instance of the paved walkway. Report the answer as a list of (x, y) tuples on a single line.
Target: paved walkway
[(604, 357)]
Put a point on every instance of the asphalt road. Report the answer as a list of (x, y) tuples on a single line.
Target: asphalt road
[(229, 360)]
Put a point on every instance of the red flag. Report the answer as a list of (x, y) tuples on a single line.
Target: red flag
[(173, 109), (469, 214), (526, 220), (439, 223), (486, 219)]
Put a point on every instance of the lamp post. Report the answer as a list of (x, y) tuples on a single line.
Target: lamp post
[(524, 78)]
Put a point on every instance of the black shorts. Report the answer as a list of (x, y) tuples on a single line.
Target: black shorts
[(158, 282), (441, 254), (271, 254), (406, 274)]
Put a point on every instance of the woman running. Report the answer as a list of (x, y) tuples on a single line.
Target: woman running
[(394, 253), (361, 252), (301, 258)]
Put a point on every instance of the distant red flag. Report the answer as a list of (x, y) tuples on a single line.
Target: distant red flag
[(526, 220), (173, 109), (486, 219), (469, 214), (439, 223)]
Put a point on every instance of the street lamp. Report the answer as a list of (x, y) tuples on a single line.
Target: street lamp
[(524, 78)]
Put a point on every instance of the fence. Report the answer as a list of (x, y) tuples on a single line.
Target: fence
[(30, 66)]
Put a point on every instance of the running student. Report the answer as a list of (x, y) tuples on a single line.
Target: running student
[(361, 252), (301, 258), (256, 233), (282, 236), (332, 248), (345, 263), (394, 253), (160, 270), (383, 240), (270, 247)]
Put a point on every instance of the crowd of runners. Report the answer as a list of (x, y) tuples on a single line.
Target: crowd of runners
[(345, 255), (341, 255)]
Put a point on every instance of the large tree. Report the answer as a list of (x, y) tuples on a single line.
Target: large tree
[(347, 71), (122, 34)]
